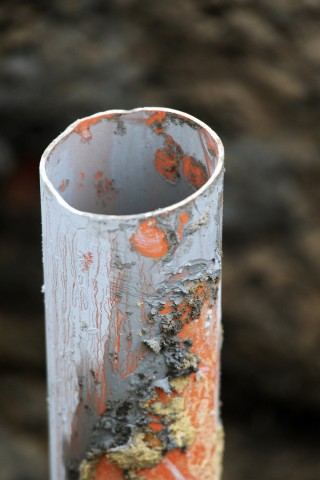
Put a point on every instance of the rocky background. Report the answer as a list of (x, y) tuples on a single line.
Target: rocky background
[(251, 70)]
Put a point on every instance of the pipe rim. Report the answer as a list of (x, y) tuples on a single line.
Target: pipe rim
[(153, 213)]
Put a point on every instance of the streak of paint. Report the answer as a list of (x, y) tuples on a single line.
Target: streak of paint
[(105, 187), (206, 155), (156, 119), (82, 176), (63, 185), (149, 240), (83, 128), (183, 220), (194, 172), (159, 130), (100, 390), (166, 309), (211, 144), (87, 259), (167, 160), (157, 427)]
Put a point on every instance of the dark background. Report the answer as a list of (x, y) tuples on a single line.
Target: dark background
[(251, 70)]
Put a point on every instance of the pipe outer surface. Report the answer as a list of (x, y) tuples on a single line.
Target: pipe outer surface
[(131, 219)]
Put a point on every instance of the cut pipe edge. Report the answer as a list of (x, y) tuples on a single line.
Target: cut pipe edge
[(71, 128), (133, 314)]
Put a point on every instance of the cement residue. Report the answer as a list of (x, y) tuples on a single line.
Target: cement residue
[(171, 325), (142, 451), (180, 360), (182, 121), (125, 434), (200, 222), (131, 475), (117, 118), (181, 431), (180, 383), (170, 410), (88, 469), (154, 344)]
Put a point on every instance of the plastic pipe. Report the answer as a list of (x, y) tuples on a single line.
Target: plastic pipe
[(132, 214)]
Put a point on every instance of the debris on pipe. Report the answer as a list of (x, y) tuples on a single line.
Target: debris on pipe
[(132, 215)]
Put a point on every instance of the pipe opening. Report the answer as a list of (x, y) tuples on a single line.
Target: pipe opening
[(124, 163)]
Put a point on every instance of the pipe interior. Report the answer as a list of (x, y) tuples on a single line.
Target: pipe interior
[(132, 162)]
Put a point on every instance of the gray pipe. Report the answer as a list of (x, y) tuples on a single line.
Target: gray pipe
[(131, 215)]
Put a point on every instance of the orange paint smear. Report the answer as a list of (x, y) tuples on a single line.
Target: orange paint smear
[(87, 260), (104, 187), (120, 318), (211, 144), (166, 309), (163, 397), (108, 471), (167, 165), (194, 172), (186, 309), (206, 155), (100, 392), (149, 240), (153, 416), (159, 130), (167, 160), (156, 118), (83, 128), (183, 220), (157, 427), (63, 185)]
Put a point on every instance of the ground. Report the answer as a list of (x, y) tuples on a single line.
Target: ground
[(250, 69)]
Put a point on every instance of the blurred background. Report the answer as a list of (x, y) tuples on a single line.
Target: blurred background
[(251, 70)]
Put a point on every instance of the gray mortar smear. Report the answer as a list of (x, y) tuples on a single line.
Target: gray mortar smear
[(128, 417)]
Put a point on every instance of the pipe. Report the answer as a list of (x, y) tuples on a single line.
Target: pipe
[(131, 217)]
